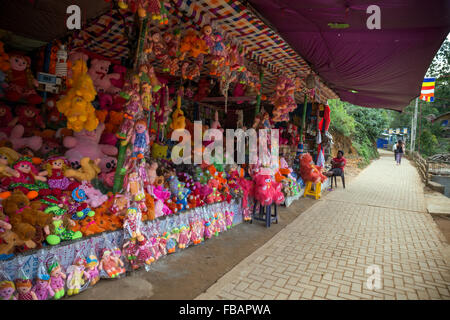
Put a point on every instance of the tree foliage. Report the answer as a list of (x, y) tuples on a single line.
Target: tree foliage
[(362, 125), (430, 136)]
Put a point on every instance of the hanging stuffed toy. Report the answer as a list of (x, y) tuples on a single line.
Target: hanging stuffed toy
[(76, 105), (20, 81)]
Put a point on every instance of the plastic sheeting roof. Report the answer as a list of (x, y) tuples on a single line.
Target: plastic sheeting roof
[(386, 67)]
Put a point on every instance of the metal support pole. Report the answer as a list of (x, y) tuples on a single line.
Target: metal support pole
[(420, 128), (414, 131)]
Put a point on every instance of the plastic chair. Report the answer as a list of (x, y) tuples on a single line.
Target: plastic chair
[(316, 192), (335, 180)]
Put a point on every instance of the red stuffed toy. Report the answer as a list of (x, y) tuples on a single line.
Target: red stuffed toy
[(30, 118), (267, 190), (309, 171), (20, 80), (7, 121)]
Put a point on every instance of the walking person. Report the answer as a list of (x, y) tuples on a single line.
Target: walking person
[(399, 150)]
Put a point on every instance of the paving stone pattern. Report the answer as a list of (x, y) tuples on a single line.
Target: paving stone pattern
[(379, 220)]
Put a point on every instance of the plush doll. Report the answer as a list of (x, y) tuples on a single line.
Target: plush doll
[(121, 203), (30, 181), (130, 249), (24, 291), (111, 264), (7, 290), (92, 272), (30, 118), (309, 171), (132, 108), (132, 222), (7, 158), (59, 230), (20, 80), (57, 279), (140, 139), (57, 181), (7, 121), (42, 288), (76, 276), (85, 144)]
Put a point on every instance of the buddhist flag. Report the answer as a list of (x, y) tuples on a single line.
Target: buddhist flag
[(427, 92)]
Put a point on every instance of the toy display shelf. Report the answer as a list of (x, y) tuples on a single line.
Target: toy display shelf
[(66, 251)]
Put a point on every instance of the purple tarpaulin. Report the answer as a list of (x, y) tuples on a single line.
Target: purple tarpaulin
[(386, 67)]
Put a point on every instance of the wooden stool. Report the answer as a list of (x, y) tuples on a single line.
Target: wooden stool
[(315, 192)]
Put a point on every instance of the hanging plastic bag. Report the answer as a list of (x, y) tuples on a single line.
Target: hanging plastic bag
[(111, 265), (7, 286), (57, 278), (23, 282), (77, 277), (42, 288), (92, 266)]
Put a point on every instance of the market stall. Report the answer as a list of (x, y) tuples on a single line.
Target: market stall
[(90, 188)]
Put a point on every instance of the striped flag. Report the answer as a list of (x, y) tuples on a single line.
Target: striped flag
[(427, 92)]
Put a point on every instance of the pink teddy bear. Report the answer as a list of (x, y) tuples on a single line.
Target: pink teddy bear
[(102, 80), (86, 144), (94, 196), (18, 142)]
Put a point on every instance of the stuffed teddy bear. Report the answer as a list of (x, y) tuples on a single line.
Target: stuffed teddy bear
[(76, 104), (29, 116), (159, 151), (309, 171), (18, 141), (100, 77), (20, 80), (24, 216), (85, 144)]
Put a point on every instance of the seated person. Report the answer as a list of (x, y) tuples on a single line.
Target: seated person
[(337, 165)]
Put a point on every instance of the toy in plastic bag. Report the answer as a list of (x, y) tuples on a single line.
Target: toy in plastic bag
[(208, 222), (132, 222), (57, 278), (77, 277), (145, 253), (153, 238), (43, 288), (24, 285), (171, 236), (184, 234), (162, 241), (197, 228), (130, 250), (229, 215), (92, 268), (111, 265), (7, 287)]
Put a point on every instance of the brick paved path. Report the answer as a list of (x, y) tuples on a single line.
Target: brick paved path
[(379, 219)]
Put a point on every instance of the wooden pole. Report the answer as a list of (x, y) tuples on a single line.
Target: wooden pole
[(302, 130), (258, 97)]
